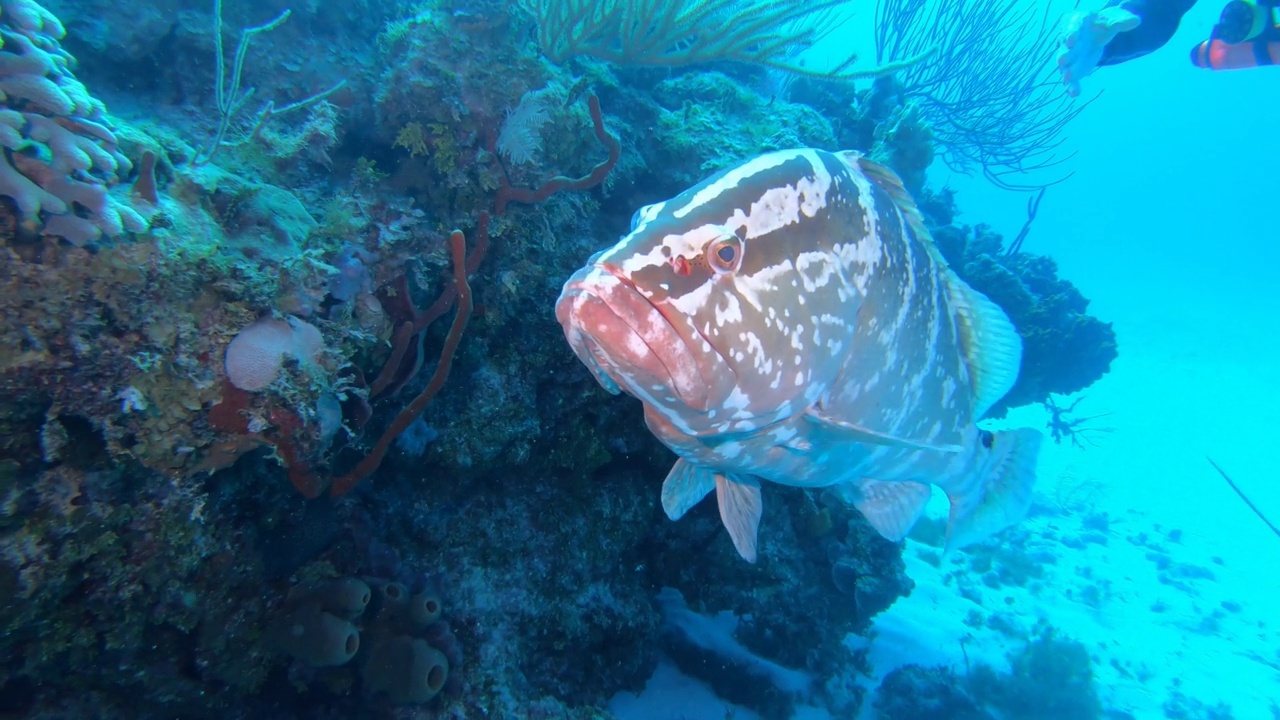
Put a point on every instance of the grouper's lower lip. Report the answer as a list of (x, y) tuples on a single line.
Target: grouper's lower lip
[(621, 336)]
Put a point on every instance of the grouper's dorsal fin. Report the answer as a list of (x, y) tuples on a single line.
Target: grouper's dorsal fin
[(888, 180), (989, 343)]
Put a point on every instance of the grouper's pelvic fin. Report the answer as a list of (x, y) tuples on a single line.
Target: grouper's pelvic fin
[(740, 509), (1000, 492), (738, 497), (685, 487)]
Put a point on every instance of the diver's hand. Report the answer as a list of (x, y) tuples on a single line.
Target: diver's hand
[(1084, 35)]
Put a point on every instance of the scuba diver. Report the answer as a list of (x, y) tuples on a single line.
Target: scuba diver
[(1247, 35)]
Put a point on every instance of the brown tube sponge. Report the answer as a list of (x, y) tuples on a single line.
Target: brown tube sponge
[(345, 597), (317, 638), (407, 669), (424, 609)]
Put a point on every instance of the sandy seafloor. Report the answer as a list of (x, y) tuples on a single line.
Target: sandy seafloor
[(1168, 226)]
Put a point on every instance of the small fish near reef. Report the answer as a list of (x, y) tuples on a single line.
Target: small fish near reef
[(790, 320)]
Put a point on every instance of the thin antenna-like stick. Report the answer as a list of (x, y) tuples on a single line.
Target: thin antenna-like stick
[(1246, 500)]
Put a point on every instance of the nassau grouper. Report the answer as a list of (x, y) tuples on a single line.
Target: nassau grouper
[(790, 320)]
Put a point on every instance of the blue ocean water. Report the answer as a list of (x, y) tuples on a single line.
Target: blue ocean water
[(1165, 227), (305, 439)]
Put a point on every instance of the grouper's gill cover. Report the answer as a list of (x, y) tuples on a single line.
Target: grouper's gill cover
[(789, 320)]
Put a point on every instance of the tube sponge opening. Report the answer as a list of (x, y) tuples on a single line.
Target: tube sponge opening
[(318, 638), (394, 594), (407, 669), (424, 609), (345, 597)]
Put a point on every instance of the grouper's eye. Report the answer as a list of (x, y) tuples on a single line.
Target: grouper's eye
[(725, 254)]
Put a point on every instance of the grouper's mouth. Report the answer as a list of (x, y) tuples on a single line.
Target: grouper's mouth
[(628, 343)]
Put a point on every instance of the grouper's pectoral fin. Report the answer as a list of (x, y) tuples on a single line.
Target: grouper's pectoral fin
[(991, 345), (856, 433), (892, 508), (740, 507), (1000, 494), (685, 487)]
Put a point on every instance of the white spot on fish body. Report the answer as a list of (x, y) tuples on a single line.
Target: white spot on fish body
[(886, 337), (647, 215), (692, 302), (730, 450), (776, 209), (815, 269), (622, 255), (948, 390), (783, 433), (908, 293), (636, 346), (935, 431), (813, 191), (763, 281), (737, 402), (732, 179), (755, 348), (730, 312)]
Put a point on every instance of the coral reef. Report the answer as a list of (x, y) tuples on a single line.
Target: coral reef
[(1050, 677), (181, 399), (912, 691), (1064, 348), (706, 121), (813, 557), (124, 587), (317, 626)]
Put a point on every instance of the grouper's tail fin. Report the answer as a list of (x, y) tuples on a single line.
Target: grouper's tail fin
[(1000, 493)]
